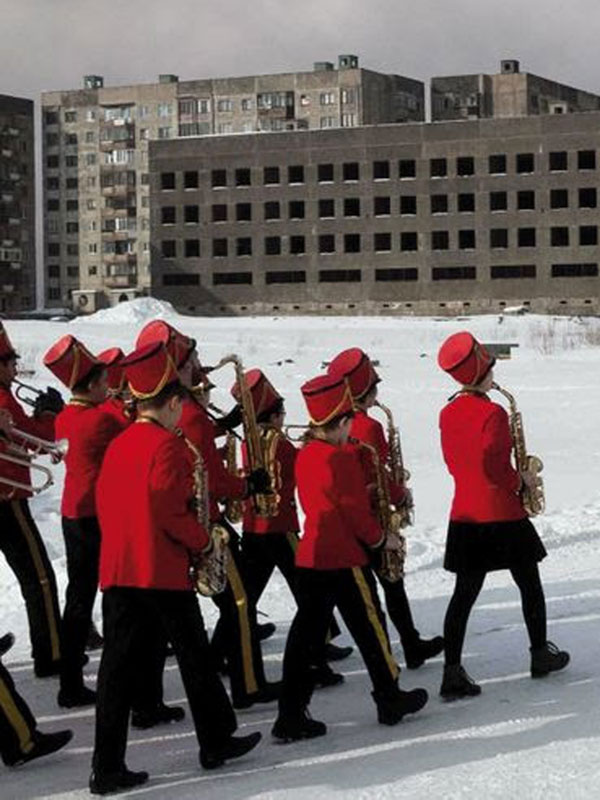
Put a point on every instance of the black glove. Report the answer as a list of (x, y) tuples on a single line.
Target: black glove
[(259, 482), (232, 420), (49, 401)]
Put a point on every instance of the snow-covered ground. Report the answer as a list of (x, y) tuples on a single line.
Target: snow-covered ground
[(521, 737)]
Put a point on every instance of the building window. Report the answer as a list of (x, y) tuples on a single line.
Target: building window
[(296, 173), (191, 214), (70, 116), (92, 248), (409, 241), (325, 173), (326, 209), (168, 248), (180, 279), (53, 270), (246, 104), (52, 162), (586, 159), (438, 167), (558, 161), (524, 163), (168, 215), (498, 201), (167, 181), (72, 227), (72, 249), (243, 246), (72, 183), (272, 245), (289, 276), (272, 210), (588, 198), (232, 278), (381, 170), (525, 201), (382, 242), (165, 109), (327, 98), (219, 212), (588, 235), (381, 206), (497, 165), (218, 178), (408, 205), (243, 177), (327, 243), (191, 248), (498, 238), (397, 274), (352, 243), (204, 106), (53, 204), (190, 180), (72, 205), (352, 207), (351, 171), (466, 240), (51, 118), (526, 237), (574, 270), (407, 168), (339, 276), (559, 236), (243, 212), (439, 203), (328, 122), (73, 272), (219, 248), (225, 104), (453, 273), (296, 209), (297, 245), (90, 159), (440, 240), (512, 271), (466, 203), (164, 133), (348, 120), (187, 107), (559, 198), (270, 176), (347, 96), (53, 249), (465, 165)]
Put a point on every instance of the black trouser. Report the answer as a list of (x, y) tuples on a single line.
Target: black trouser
[(129, 618), (82, 546), (17, 723), (466, 590), (25, 552), (354, 592), (398, 609)]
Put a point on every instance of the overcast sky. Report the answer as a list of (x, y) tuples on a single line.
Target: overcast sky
[(51, 44)]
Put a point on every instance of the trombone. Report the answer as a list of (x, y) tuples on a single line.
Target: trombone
[(24, 457)]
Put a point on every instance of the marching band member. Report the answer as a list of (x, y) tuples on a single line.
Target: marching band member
[(357, 368), (88, 430), (333, 568), (489, 528), (244, 655), (150, 533), (115, 402), (21, 542)]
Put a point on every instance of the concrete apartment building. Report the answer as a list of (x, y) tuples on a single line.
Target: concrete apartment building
[(509, 93), (95, 156), (438, 218), (17, 205)]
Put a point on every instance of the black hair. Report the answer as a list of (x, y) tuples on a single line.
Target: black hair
[(12, 356), (83, 386), (173, 389), (276, 408)]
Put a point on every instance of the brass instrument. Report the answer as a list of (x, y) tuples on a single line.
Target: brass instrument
[(400, 475), (209, 573), (22, 388), (16, 454), (533, 498), (234, 508)]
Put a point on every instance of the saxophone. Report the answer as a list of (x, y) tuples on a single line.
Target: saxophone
[(234, 509), (400, 475), (209, 573), (533, 498)]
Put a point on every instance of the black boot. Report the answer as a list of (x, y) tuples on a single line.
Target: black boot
[(421, 650), (456, 683), (43, 745), (76, 697), (334, 652), (300, 726), (323, 676), (234, 747), (6, 642), (266, 694), (265, 630), (116, 781), (392, 706), (160, 715), (547, 659)]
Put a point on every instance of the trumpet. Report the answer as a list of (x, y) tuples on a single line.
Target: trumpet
[(22, 388), (34, 446), (15, 454)]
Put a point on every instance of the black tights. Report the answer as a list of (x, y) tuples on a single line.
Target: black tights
[(467, 588)]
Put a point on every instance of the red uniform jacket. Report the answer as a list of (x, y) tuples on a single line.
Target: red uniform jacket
[(89, 430), (143, 496), (366, 429), (116, 407), (197, 426), (286, 520), (43, 427), (339, 522), (476, 444)]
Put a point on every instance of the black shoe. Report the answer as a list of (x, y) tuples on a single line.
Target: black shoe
[(234, 747), (547, 659), (457, 683), (323, 676), (266, 694), (335, 653), (50, 670), (423, 649), (160, 715), (265, 630), (43, 745), (392, 706), (303, 726), (76, 698), (6, 642), (95, 641), (116, 781)]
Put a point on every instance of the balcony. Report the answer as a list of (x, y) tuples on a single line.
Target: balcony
[(118, 190), (122, 259), (121, 281)]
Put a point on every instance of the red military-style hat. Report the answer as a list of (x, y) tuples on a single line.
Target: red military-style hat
[(6, 349), (264, 394), (112, 358), (327, 397), (465, 359), (149, 369), (70, 360), (355, 365), (178, 345)]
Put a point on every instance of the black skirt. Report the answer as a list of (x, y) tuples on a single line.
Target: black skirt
[(491, 546)]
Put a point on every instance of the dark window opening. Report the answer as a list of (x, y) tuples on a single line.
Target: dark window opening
[(326, 209), (397, 274), (219, 248), (288, 276), (272, 245), (271, 175), (219, 213), (339, 276), (168, 248), (465, 165), (440, 240), (453, 273), (525, 163), (327, 243), (191, 248), (243, 212), (499, 237), (574, 270), (243, 246), (409, 241), (439, 203), (558, 161), (466, 203), (559, 236), (407, 168), (526, 237), (466, 240), (190, 180), (224, 278), (525, 201), (351, 171), (586, 159), (512, 271), (498, 201), (588, 235), (272, 210), (297, 245), (191, 214), (218, 178), (352, 243), (381, 170), (382, 242), (588, 198), (243, 177), (167, 180), (296, 209), (438, 167), (296, 173), (351, 207), (180, 279), (497, 165), (559, 198), (168, 215), (325, 173), (408, 205), (381, 206)]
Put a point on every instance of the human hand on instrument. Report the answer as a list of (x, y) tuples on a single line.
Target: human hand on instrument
[(49, 402), (259, 482), (529, 478), (232, 419)]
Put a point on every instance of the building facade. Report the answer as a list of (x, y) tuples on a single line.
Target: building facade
[(439, 218), (17, 205), (95, 156), (509, 93)]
